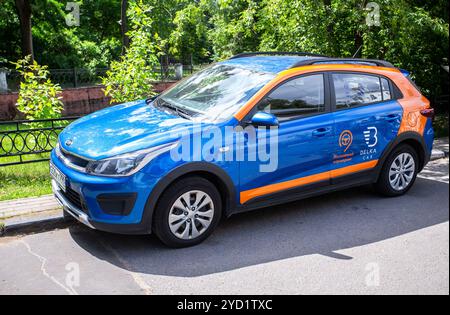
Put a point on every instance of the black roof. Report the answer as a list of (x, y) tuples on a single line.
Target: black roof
[(318, 59), (276, 53), (358, 61)]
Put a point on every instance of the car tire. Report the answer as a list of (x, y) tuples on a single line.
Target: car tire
[(399, 172), (187, 212)]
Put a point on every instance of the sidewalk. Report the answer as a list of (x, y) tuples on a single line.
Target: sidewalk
[(440, 147), (25, 206), (15, 210)]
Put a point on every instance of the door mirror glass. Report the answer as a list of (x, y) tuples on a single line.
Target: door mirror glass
[(264, 119)]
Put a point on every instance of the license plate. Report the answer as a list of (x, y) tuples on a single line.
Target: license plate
[(59, 177)]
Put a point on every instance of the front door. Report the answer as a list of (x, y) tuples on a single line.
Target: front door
[(305, 138)]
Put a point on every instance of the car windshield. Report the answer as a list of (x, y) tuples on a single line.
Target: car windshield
[(217, 92)]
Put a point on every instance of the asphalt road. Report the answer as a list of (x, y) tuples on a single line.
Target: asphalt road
[(350, 242)]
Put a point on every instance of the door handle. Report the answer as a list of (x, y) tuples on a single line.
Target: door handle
[(321, 132)]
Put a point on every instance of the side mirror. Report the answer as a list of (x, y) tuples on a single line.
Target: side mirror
[(264, 119)]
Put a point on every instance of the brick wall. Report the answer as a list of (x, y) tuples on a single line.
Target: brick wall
[(77, 101)]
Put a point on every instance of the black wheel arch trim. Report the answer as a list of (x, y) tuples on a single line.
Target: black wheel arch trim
[(406, 136), (186, 170)]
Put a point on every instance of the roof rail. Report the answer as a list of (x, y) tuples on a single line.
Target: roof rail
[(276, 53), (367, 62)]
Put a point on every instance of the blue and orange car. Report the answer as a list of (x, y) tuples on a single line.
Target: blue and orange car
[(338, 123)]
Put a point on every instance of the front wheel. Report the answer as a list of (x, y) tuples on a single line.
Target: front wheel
[(399, 172), (187, 212)]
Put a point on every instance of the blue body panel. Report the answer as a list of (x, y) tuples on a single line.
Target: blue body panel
[(143, 182), (373, 127), (122, 129), (301, 153), (428, 135), (306, 146)]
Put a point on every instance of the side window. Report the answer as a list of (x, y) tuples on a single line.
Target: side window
[(298, 97), (386, 89), (357, 89)]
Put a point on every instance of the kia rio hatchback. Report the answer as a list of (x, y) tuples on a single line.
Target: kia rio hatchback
[(253, 131)]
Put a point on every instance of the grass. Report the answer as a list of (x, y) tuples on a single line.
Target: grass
[(25, 180)]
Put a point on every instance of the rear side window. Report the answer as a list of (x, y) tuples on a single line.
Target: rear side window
[(386, 89), (302, 96), (359, 89)]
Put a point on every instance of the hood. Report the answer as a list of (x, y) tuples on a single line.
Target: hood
[(122, 129)]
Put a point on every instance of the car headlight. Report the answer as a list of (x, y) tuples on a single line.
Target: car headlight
[(127, 164)]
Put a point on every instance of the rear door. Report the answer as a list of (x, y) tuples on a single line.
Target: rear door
[(366, 117)]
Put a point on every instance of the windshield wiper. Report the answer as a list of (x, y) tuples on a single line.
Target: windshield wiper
[(180, 112)]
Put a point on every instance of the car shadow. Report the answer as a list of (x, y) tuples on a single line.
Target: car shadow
[(322, 225)]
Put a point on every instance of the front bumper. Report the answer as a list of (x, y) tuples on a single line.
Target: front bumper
[(70, 208), (98, 192)]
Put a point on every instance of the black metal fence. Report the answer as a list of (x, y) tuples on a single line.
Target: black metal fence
[(29, 141), (74, 78), (66, 78)]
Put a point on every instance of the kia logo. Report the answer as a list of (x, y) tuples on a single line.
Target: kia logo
[(69, 142)]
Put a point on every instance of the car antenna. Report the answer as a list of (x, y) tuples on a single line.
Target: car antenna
[(356, 53)]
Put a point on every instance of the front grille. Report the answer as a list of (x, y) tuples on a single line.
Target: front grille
[(74, 198), (75, 160)]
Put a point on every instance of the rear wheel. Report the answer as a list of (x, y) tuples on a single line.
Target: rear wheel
[(399, 172), (188, 212)]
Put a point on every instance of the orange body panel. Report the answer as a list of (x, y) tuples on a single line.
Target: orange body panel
[(265, 190)]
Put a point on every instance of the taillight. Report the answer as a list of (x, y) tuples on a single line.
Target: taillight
[(429, 112)]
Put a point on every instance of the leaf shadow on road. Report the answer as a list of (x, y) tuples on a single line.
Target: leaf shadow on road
[(322, 225)]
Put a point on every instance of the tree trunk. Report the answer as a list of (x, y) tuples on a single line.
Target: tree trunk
[(359, 42), (358, 37), (330, 29), (24, 12), (124, 26)]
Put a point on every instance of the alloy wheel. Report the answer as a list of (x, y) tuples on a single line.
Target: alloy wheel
[(191, 215), (401, 172)]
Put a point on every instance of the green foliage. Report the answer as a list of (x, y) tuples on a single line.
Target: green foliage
[(440, 125), (413, 34), (131, 78), (38, 96), (91, 45), (189, 37)]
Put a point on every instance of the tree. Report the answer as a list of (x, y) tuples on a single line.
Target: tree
[(24, 12), (124, 25), (132, 77), (38, 98)]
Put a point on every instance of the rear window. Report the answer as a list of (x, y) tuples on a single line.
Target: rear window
[(356, 89), (353, 89)]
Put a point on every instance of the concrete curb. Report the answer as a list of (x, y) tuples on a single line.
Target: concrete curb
[(26, 206), (41, 222), (438, 154)]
